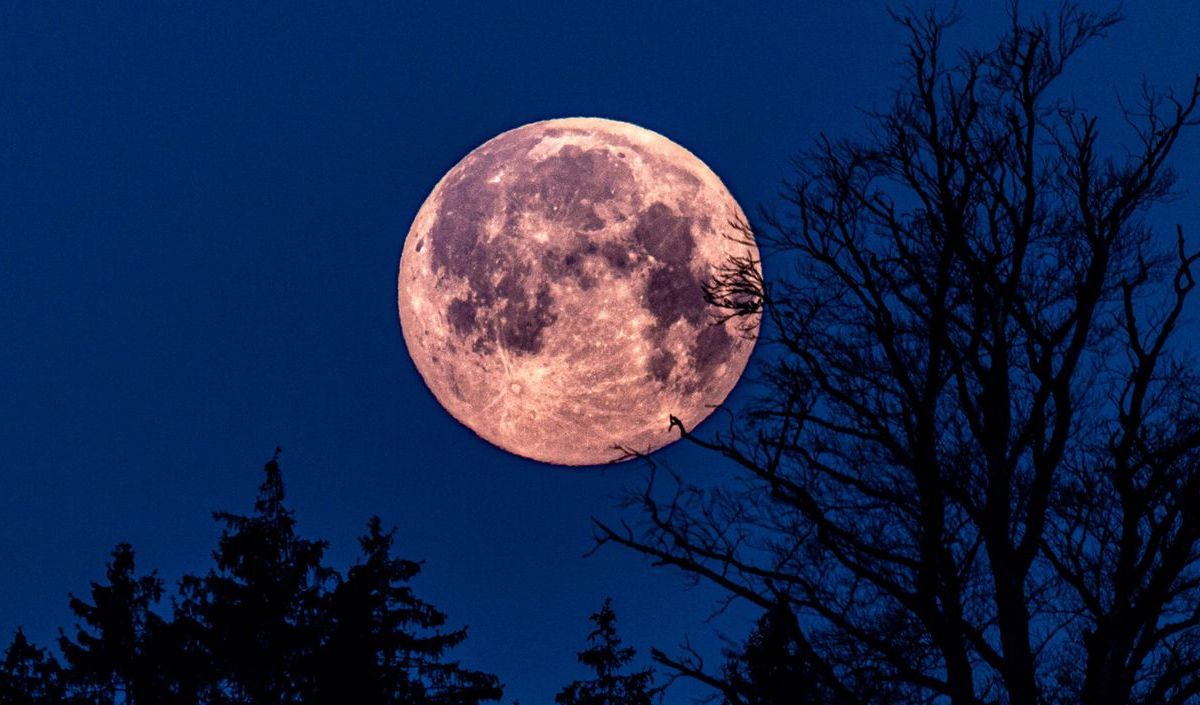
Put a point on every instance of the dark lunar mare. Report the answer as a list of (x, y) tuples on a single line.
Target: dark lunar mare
[(566, 187), (714, 345), (673, 292)]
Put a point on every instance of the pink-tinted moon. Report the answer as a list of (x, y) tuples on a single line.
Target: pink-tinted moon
[(550, 290)]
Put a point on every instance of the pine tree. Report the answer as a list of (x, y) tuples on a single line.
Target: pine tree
[(771, 669), (30, 676), (177, 663), (258, 614), (386, 645), (107, 656), (607, 658)]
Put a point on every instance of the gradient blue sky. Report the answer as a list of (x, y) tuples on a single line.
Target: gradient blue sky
[(201, 210)]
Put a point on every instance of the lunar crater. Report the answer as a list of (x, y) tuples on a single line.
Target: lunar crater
[(551, 290)]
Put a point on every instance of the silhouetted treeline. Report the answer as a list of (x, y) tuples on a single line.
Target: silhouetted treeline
[(269, 623)]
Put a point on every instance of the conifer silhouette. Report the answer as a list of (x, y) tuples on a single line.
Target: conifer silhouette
[(106, 660), (258, 612), (30, 676), (773, 668), (607, 658), (386, 644)]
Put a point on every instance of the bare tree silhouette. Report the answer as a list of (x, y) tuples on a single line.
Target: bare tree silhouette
[(973, 471)]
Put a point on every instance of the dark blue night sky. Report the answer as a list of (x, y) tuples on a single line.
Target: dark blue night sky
[(202, 206)]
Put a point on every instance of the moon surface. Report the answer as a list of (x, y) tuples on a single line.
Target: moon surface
[(550, 290)]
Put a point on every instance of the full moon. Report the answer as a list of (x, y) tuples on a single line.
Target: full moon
[(551, 291)]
